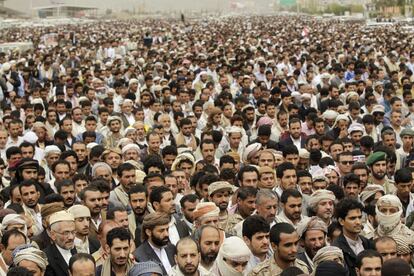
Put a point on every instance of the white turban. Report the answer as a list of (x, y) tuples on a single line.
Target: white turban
[(319, 195), (98, 165), (250, 151), (329, 114), (341, 117), (12, 219), (181, 157), (52, 149), (328, 253), (31, 254), (131, 147), (30, 137), (235, 249), (388, 223), (369, 191)]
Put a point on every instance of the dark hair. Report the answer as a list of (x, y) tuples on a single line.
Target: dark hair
[(68, 153), (289, 193), (12, 151), (403, 175), (290, 149), (83, 257), (153, 161), (59, 162), (351, 178), (6, 236), (137, 189), (102, 185), (292, 271), (367, 253), (19, 271), (284, 167), (188, 198), (117, 233), (124, 167), (226, 159), (396, 266), (245, 169), (157, 194), (303, 173), (26, 144), (89, 188), (28, 183), (244, 192), (254, 224), (346, 205), (52, 198), (278, 229), (113, 209), (63, 183), (169, 150)]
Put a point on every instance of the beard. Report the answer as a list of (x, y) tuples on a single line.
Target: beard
[(378, 175), (160, 242), (209, 257)]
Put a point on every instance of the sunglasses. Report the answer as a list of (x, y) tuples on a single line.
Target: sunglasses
[(347, 162)]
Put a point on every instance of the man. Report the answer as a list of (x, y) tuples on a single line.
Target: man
[(62, 232), (368, 263), (294, 136), (220, 192), (30, 198), (101, 255), (91, 197), (61, 171), (246, 205), (82, 264), (66, 189), (82, 217), (291, 207), (156, 246), (321, 204), (31, 258), (138, 201), (187, 259), (377, 162), (208, 152), (349, 214), (185, 136), (114, 124), (352, 186), (188, 205), (361, 170), (267, 205), (386, 247), (284, 241), (126, 175), (345, 162), (256, 236), (118, 247), (208, 239), (312, 233), (118, 214), (403, 181), (9, 241), (131, 152), (161, 199), (286, 174), (248, 176)]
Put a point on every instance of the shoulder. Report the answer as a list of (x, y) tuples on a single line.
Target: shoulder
[(302, 265), (261, 268)]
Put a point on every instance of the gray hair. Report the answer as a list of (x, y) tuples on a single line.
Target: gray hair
[(265, 194), (98, 165)]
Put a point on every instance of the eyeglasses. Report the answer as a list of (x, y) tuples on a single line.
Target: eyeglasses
[(347, 162), (66, 233)]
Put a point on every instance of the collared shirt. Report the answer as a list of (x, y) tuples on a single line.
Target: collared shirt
[(162, 255), (296, 142), (82, 246), (98, 222), (356, 246), (173, 232), (65, 253)]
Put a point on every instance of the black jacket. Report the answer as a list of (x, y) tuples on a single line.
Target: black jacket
[(349, 255), (145, 253), (57, 265)]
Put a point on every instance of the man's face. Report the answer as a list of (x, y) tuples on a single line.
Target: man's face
[(14, 129), (363, 176), (267, 181), (93, 200), (249, 179), (287, 247), (3, 139), (63, 234), (247, 206), (294, 130), (27, 152), (313, 241), (77, 115), (292, 158), (29, 174), (154, 143), (324, 209), (159, 235), (127, 179), (104, 173), (188, 210), (68, 193), (138, 202), (80, 185), (335, 150), (167, 204), (267, 208), (73, 165), (345, 164), (82, 225), (371, 266), (266, 159), (209, 245), (396, 119), (67, 126), (293, 208), (208, 152), (119, 252), (121, 217), (403, 189), (62, 171), (187, 258), (387, 249), (389, 141), (113, 160), (288, 180), (352, 222), (80, 150), (30, 196), (235, 139), (305, 184), (115, 126), (259, 244), (352, 190), (52, 158), (90, 125), (14, 241), (379, 169)]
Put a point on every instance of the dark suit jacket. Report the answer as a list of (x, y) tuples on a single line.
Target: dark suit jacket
[(302, 256), (57, 265), (145, 253), (285, 140), (182, 228), (42, 240), (349, 255), (94, 245)]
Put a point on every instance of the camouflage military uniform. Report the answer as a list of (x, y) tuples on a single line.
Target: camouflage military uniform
[(269, 267), (389, 186), (223, 221), (231, 222)]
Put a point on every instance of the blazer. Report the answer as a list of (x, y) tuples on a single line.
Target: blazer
[(182, 228), (94, 245), (349, 255), (42, 240), (285, 140), (145, 253), (302, 256), (57, 265)]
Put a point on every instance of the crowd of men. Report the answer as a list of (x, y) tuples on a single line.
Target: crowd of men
[(228, 146)]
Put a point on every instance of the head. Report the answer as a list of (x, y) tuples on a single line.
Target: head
[(284, 240), (256, 235), (187, 256), (82, 264), (118, 246)]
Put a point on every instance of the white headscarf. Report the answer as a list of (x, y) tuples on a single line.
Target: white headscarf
[(235, 249), (388, 223)]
